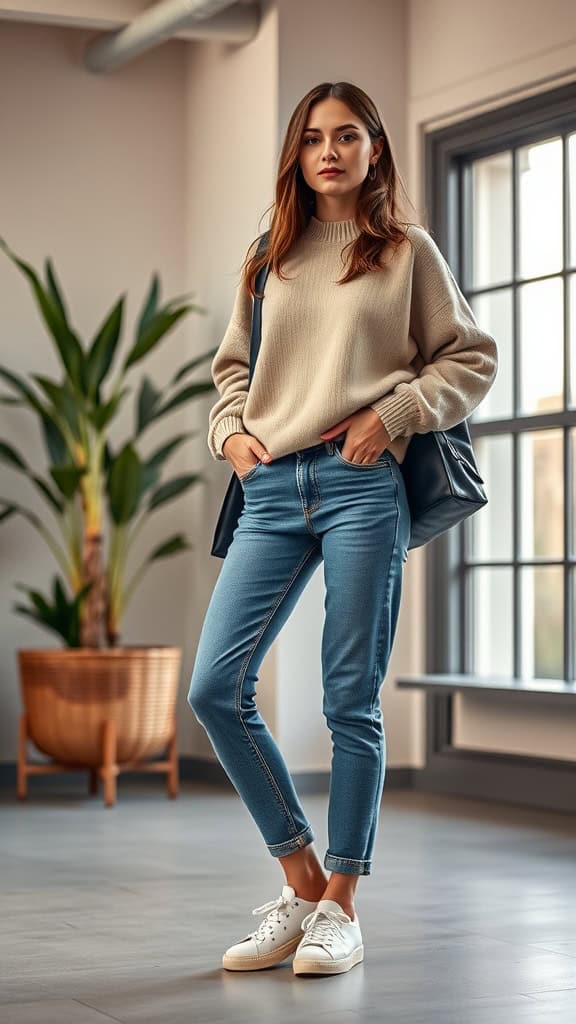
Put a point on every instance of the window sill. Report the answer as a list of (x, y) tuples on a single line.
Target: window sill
[(447, 684)]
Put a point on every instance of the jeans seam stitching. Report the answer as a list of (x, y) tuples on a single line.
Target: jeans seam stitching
[(242, 676), (250, 471), (303, 504), (316, 486), (274, 846), (348, 860)]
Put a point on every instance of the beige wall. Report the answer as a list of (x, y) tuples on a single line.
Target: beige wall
[(231, 121), (92, 173)]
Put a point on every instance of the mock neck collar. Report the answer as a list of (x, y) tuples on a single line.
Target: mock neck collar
[(332, 230)]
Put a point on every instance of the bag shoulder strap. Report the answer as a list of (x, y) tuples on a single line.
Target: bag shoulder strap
[(256, 332)]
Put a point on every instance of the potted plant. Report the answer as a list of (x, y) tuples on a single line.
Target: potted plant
[(93, 703)]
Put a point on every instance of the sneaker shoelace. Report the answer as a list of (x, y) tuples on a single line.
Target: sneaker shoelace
[(321, 926), (275, 911)]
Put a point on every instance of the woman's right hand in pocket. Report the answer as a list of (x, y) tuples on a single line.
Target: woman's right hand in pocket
[(240, 450)]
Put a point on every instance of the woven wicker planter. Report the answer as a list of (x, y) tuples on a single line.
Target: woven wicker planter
[(104, 710)]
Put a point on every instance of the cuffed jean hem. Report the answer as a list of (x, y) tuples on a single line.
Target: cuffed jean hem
[(293, 844), (347, 866)]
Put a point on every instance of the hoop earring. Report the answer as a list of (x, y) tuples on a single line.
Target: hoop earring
[(372, 168)]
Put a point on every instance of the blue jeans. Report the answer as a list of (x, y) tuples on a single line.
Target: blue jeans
[(308, 507)]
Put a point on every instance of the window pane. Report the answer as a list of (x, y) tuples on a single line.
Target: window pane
[(491, 220), (573, 579), (541, 346), (541, 494), (542, 627), (572, 198), (490, 529), (540, 208), (490, 626), (494, 314), (572, 336), (572, 443)]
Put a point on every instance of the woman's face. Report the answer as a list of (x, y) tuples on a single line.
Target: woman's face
[(335, 137)]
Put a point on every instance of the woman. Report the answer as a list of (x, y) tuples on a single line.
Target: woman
[(358, 353)]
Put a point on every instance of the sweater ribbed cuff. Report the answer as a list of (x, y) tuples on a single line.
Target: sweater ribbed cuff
[(226, 426), (398, 411)]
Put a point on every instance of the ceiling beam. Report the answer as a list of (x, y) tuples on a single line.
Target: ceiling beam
[(105, 15)]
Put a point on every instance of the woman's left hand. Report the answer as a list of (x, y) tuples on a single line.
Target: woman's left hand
[(366, 436)]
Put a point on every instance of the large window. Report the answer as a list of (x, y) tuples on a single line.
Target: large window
[(503, 209)]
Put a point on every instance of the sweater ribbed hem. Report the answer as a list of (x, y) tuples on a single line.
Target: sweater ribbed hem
[(226, 426), (398, 411), (332, 230)]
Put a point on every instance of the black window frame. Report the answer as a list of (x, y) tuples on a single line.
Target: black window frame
[(448, 152)]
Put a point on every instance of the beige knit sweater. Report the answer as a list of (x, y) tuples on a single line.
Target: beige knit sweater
[(402, 340)]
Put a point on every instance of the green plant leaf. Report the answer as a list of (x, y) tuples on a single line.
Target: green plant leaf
[(173, 489), (40, 602), (66, 341), (21, 386), (153, 465), (107, 457), (124, 484), (159, 457), (59, 596), (11, 508), (158, 325), (188, 367), (103, 348), (184, 396), (42, 486), (150, 306), (105, 412), (148, 398), (39, 619), (9, 455), (62, 616), (54, 441), (63, 400), (55, 288), (169, 547), (67, 479)]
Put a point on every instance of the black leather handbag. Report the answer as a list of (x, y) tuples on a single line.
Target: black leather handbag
[(442, 481)]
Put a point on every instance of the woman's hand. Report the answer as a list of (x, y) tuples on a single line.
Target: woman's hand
[(239, 447), (366, 436)]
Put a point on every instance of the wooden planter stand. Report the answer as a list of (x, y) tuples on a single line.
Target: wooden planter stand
[(102, 711), (108, 770)]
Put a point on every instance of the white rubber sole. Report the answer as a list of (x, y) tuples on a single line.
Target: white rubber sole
[(328, 966), (253, 963)]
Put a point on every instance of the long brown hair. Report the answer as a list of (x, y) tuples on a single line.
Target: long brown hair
[(377, 209)]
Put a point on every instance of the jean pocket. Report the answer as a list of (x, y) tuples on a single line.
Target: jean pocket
[(250, 473), (382, 460)]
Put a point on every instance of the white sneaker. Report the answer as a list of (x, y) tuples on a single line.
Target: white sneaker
[(332, 941), (275, 938)]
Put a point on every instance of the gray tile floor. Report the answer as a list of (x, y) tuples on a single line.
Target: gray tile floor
[(123, 914)]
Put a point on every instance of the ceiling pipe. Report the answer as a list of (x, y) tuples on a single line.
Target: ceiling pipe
[(225, 20)]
